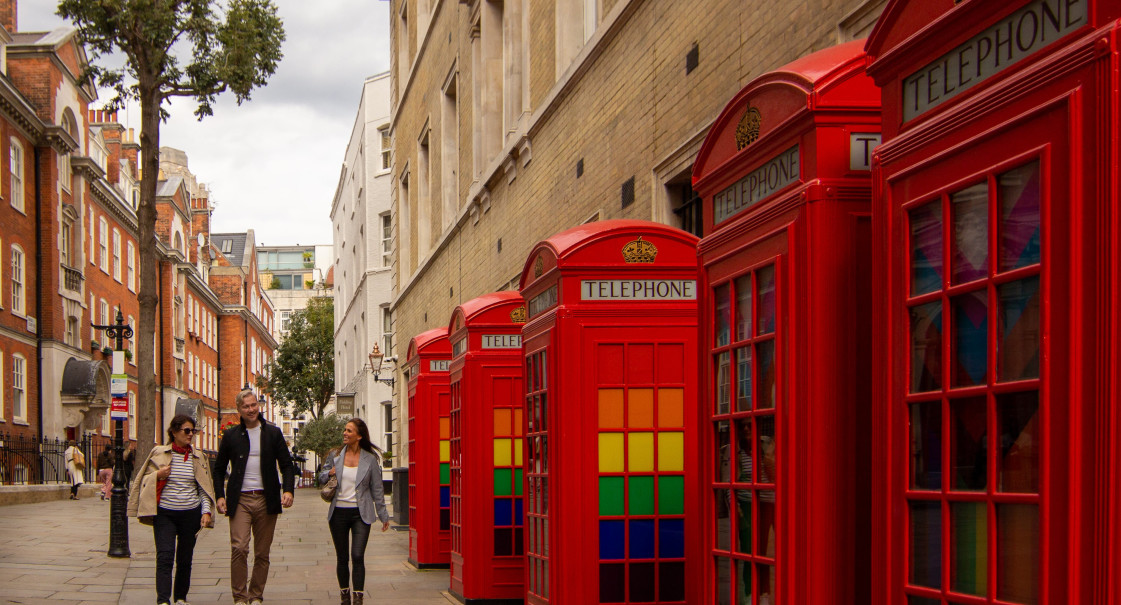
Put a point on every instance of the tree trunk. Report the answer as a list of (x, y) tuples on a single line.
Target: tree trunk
[(147, 431)]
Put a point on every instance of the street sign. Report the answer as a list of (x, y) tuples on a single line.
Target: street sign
[(118, 388)]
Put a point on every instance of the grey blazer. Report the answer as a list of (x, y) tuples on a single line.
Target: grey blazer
[(369, 491)]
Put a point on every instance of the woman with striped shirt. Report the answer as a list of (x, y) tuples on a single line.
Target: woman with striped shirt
[(173, 492)]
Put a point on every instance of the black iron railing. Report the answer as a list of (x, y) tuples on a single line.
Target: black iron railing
[(72, 279), (35, 461)]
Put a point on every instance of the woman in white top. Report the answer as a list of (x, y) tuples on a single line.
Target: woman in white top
[(357, 499), (72, 456)]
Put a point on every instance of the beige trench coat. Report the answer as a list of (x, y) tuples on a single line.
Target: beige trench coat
[(142, 502)]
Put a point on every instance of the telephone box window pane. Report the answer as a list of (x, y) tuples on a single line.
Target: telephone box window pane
[(642, 539), (642, 582), (723, 382), (640, 408), (926, 347), (723, 452), (641, 495), (970, 339), (969, 551), (445, 519), (1018, 420), (970, 257), (1019, 214), (671, 451), (611, 496), (671, 495), (671, 581), (926, 248), (1017, 553), (926, 445), (610, 452), (723, 315), (913, 600), (671, 408), (640, 363), (723, 525), (503, 512), (503, 422), (640, 452), (445, 497), (743, 307), (723, 581), (612, 539), (926, 543), (612, 583), (445, 474), (765, 397), (1018, 347), (671, 538), (519, 540), (743, 520), (743, 379), (766, 576), (503, 542), (765, 279), (968, 447), (743, 583), (765, 430), (743, 450), (518, 482), (503, 454)]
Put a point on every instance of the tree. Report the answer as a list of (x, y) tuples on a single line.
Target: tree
[(302, 374), (226, 45), (321, 435)]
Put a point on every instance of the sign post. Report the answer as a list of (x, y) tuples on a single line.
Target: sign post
[(118, 505)]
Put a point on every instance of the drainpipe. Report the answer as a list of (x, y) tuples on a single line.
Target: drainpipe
[(39, 286), (163, 343)]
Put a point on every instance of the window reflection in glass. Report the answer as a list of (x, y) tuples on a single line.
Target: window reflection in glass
[(926, 347), (765, 472), (926, 248), (926, 445), (970, 254), (743, 307), (765, 396), (743, 520), (743, 379), (743, 583), (723, 524), (926, 543), (722, 314), (723, 452), (969, 550), (968, 444), (1018, 334), (723, 382), (970, 343), (765, 280), (1018, 459), (1019, 191), (1017, 556)]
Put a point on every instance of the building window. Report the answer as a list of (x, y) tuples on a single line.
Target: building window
[(388, 407), (64, 170), (19, 278), (132, 341), (72, 331), (104, 314), (387, 330), (2, 391), (131, 267), (386, 240), (19, 388), (16, 167), (92, 240), (386, 148), (64, 249), (117, 255), (103, 244), (285, 317), (687, 208), (131, 415)]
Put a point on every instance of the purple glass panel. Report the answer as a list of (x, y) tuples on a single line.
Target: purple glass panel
[(926, 248), (1019, 213), (970, 253)]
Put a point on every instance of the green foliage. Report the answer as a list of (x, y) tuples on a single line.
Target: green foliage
[(302, 375), (321, 435), (236, 51)]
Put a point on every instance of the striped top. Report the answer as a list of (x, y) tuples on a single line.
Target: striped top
[(182, 491)]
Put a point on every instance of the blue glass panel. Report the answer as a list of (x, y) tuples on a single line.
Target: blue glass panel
[(519, 515), (445, 496), (642, 539), (502, 512), (612, 540), (671, 538)]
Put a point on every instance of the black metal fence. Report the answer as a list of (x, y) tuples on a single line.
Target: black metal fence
[(37, 461)]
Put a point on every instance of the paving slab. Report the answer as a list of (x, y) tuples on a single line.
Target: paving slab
[(55, 552)]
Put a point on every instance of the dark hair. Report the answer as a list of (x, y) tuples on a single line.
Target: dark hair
[(176, 424), (364, 436)]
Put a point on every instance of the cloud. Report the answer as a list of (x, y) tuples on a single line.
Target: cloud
[(273, 163)]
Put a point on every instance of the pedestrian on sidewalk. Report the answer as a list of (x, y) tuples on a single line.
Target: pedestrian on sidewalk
[(173, 493), (254, 450), (105, 461), (75, 465), (358, 496)]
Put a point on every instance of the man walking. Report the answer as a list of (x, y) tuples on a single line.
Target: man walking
[(255, 450)]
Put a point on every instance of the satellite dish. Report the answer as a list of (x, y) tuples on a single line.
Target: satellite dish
[(201, 239)]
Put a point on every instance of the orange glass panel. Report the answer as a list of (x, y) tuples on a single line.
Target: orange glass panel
[(641, 408), (611, 408), (671, 408), (502, 418), (445, 428), (519, 428)]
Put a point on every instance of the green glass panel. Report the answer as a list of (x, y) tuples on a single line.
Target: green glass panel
[(641, 495), (445, 474), (610, 496), (671, 495), (518, 482), (502, 482)]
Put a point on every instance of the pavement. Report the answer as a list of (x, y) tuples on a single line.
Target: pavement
[(54, 552)]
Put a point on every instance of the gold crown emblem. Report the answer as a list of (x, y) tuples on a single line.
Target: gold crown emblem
[(640, 251), (518, 315), (748, 129), (539, 266)]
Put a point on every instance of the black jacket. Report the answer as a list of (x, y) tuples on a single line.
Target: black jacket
[(234, 450)]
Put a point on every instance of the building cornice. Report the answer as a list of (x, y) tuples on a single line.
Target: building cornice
[(19, 110), (243, 312)]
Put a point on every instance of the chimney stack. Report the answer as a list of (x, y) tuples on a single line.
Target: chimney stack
[(8, 15)]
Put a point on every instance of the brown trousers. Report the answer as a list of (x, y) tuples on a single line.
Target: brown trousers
[(251, 515)]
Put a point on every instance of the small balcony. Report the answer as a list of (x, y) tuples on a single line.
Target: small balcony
[(72, 279), (180, 346)]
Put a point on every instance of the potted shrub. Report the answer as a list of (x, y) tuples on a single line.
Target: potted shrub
[(107, 351)]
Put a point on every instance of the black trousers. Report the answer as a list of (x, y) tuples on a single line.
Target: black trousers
[(344, 523), (175, 532)]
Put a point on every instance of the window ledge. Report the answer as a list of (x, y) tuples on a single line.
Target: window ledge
[(20, 422)]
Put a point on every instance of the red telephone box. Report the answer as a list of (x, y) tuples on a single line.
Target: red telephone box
[(996, 345), (786, 183), (427, 364), (487, 449), (610, 353)]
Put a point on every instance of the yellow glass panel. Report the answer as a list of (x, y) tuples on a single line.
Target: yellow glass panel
[(502, 422), (611, 408), (640, 454), (671, 408), (641, 406), (518, 446), (502, 452), (610, 452), (519, 428), (445, 428), (671, 451), (445, 450)]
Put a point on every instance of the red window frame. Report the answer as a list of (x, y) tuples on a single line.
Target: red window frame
[(537, 474)]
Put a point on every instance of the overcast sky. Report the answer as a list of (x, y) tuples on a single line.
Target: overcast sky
[(272, 164)]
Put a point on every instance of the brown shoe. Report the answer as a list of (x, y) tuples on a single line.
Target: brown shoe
[(344, 597), (356, 597)]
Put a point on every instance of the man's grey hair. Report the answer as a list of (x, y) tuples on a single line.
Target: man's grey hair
[(241, 397)]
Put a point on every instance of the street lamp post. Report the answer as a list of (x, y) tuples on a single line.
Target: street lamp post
[(118, 504)]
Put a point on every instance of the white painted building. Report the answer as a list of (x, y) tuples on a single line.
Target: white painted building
[(360, 218)]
